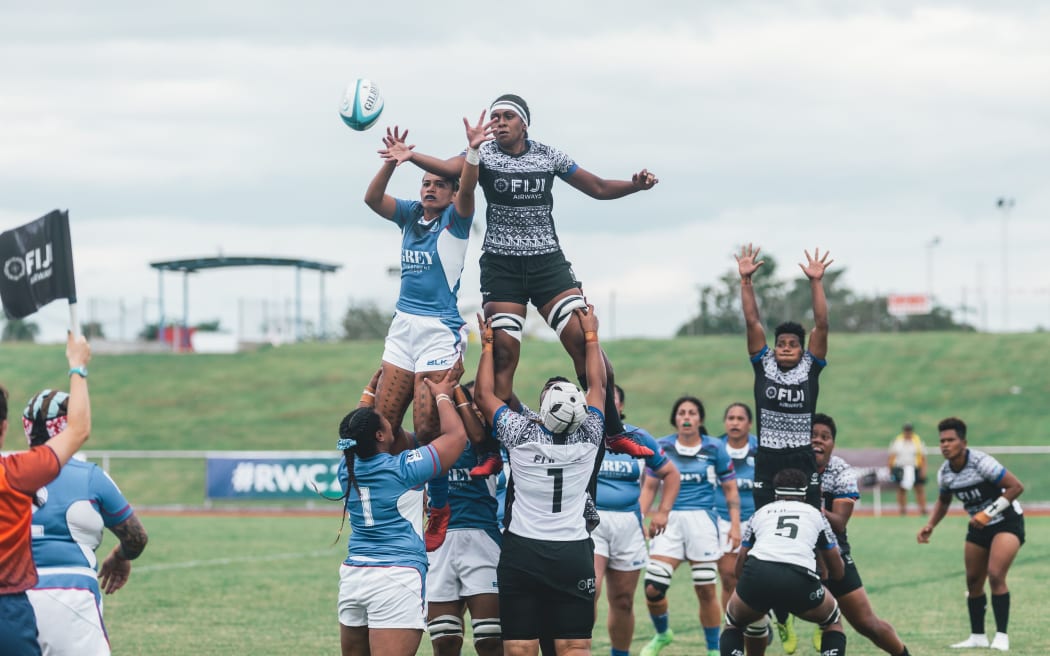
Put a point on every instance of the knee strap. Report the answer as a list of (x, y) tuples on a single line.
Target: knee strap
[(562, 311), (758, 629), (831, 618), (705, 574), (658, 574), (445, 626), (486, 628), (511, 324)]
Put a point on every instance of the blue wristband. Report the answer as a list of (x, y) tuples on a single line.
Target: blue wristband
[(80, 371)]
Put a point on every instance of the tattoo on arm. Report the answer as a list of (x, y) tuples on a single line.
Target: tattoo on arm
[(132, 536)]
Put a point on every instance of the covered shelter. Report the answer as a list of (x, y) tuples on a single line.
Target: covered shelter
[(196, 264)]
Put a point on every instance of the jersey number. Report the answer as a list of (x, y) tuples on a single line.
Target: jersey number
[(365, 497), (558, 478), (788, 524)]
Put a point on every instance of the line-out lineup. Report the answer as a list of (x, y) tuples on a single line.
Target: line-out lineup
[(520, 518)]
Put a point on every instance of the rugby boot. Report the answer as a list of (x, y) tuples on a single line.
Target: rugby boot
[(659, 641), (489, 464), (976, 640), (625, 443), (788, 637), (1001, 642), (437, 527)]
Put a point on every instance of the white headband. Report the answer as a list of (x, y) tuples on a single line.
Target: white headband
[(512, 106)]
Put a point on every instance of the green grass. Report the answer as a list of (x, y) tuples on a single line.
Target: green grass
[(292, 397), (267, 585)]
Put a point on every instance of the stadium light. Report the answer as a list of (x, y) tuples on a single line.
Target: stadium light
[(930, 245), (1005, 205)]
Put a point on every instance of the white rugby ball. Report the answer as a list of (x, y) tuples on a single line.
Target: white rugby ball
[(362, 105)]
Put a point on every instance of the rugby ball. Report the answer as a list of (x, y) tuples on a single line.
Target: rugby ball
[(563, 408), (362, 104)]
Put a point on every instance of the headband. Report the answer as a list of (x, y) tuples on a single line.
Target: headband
[(503, 103)]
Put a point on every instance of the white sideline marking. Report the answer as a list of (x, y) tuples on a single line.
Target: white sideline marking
[(191, 564)]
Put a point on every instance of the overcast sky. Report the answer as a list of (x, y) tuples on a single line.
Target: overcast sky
[(202, 127)]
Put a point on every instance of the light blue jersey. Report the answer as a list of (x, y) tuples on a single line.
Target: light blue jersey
[(701, 472), (386, 508), (620, 476), (472, 500), (744, 468), (432, 255), (501, 486), (67, 528)]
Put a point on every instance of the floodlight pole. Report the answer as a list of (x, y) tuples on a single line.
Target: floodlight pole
[(1005, 205), (930, 245)]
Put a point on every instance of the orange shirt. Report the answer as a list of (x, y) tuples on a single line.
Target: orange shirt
[(21, 475)]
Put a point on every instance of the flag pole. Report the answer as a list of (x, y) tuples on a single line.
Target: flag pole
[(74, 325)]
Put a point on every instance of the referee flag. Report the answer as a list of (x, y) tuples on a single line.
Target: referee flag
[(37, 261)]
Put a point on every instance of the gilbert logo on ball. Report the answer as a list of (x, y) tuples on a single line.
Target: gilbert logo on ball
[(362, 105)]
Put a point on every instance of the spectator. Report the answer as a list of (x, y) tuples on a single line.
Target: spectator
[(908, 468)]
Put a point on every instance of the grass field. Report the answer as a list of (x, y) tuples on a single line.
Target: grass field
[(222, 585)]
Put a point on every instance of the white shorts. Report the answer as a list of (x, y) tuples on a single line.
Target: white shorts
[(464, 566), (619, 538), (723, 537), (416, 343), (691, 535), (381, 597), (69, 621)]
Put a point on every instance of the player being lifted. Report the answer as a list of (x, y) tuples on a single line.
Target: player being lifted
[(427, 335), (522, 260)]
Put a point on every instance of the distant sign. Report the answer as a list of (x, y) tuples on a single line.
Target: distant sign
[(272, 478), (900, 305)]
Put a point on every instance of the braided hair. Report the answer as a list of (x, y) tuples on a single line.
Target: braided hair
[(357, 437)]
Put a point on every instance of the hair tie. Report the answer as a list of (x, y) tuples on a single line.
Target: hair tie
[(345, 443)]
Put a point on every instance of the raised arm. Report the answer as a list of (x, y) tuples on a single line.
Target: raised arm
[(603, 189), (468, 177), (400, 152), (376, 197), (814, 269), (78, 426), (484, 383), (453, 438), (747, 263), (595, 361)]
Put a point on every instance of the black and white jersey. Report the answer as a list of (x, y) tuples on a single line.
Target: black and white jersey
[(977, 484), (785, 400), (838, 481), (546, 495), (519, 217), (788, 532)]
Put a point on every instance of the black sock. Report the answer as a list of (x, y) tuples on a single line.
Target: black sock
[(1001, 610), (905, 652), (977, 606), (781, 615), (731, 642), (833, 642)]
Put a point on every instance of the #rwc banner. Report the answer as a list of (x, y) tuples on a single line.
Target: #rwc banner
[(37, 265), (272, 478)]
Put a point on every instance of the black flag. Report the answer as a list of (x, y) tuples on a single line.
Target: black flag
[(37, 261)]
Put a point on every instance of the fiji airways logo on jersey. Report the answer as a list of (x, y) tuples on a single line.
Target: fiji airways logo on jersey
[(521, 188), (786, 396)]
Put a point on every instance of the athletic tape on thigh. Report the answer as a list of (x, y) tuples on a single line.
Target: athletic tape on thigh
[(832, 618), (705, 574), (562, 312), (658, 574), (758, 629), (511, 324), (445, 626), (487, 628)]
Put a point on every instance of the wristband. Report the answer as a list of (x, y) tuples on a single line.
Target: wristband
[(369, 391), (462, 405), (443, 397), (590, 336), (997, 507), (473, 157), (80, 371)]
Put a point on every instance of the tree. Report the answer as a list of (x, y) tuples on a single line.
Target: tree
[(19, 330), (365, 321), (92, 330)]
